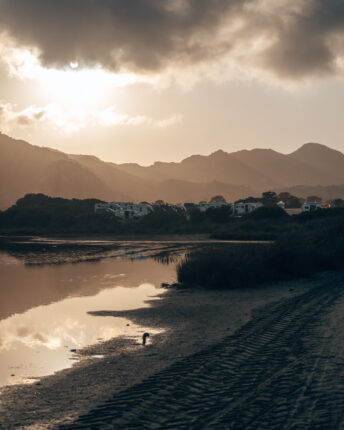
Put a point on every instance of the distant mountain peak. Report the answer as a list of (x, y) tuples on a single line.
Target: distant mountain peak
[(315, 147), (256, 151), (219, 152), (25, 168)]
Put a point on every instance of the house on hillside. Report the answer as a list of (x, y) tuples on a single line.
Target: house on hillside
[(310, 207), (242, 208), (204, 206), (124, 210), (178, 207), (101, 208), (281, 204), (144, 209)]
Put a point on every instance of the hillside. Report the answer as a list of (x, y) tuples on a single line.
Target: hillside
[(329, 192), (25, 168), (260, 169)]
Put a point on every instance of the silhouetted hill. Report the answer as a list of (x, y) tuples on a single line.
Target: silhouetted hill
[(326, 160), (285, 170), (259, 169), (26, 168), (219, 166), (329, 192)]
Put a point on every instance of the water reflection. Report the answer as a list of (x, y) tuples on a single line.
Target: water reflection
[(44, 309), (25, 286), (34, 252)]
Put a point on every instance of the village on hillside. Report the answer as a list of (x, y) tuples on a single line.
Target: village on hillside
[(285, 201)]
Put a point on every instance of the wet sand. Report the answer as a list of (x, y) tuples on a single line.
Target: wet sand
[(283, 369), (210, 341)]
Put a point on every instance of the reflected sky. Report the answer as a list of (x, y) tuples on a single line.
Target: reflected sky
[(44, 309), (23, 286)]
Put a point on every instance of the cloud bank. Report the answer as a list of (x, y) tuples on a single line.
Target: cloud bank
[(288, 39)]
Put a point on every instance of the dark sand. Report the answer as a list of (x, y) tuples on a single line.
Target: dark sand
[(220, 363), (283, 369)]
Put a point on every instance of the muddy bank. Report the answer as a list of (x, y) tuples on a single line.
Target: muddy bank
[(188, 322), (283, 369)]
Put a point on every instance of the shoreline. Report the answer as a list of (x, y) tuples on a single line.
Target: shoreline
[(191, 321), (108, 239)]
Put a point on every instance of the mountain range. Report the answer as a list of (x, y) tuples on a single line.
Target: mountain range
[(311, 169)]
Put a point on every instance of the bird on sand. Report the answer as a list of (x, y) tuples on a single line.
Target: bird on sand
[(144, 337)]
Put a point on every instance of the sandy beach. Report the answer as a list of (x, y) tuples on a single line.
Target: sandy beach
[(215, 351), (282, 369)]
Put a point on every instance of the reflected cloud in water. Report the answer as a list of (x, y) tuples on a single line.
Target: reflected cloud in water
[(44, 312)]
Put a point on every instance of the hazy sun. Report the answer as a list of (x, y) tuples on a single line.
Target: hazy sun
[(80, 86), (73, 85)]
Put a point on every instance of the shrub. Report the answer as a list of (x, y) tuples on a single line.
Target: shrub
[(299, 253), (267, 212), (230, 267)]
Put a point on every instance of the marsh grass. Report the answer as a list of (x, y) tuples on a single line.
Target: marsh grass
[(300, 253)]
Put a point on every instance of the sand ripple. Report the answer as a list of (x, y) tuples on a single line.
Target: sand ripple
[(279, 371)]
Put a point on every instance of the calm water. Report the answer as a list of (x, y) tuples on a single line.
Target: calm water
[(44, 307)]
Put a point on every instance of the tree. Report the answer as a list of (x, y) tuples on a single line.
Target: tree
[(267, 212), (290, 200), (314, 199), (249, 200), (337, 203), (218, 215), (188, 206), (159, 203), (217, 199), (195, 215), (284, 196), (269, 198)]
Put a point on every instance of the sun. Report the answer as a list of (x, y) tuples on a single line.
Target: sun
[(73, 85), (81, 86)]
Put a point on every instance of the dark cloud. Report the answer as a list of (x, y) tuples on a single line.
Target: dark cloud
[(309, 42), (148, 35), (137, 34)]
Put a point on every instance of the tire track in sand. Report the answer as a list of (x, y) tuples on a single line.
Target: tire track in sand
[(273, 373)]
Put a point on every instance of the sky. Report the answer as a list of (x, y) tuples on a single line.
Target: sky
[(147, 80)]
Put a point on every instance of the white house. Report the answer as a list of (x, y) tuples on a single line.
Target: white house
[(124, 210), (101, 208), (281, 204), (204, 206), (178, 207), (243, 208), (143, 209), (129, 210), (310, 207)]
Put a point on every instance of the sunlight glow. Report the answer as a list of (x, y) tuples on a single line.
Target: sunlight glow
[(81, 87), (73, 85), (72, 98)]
